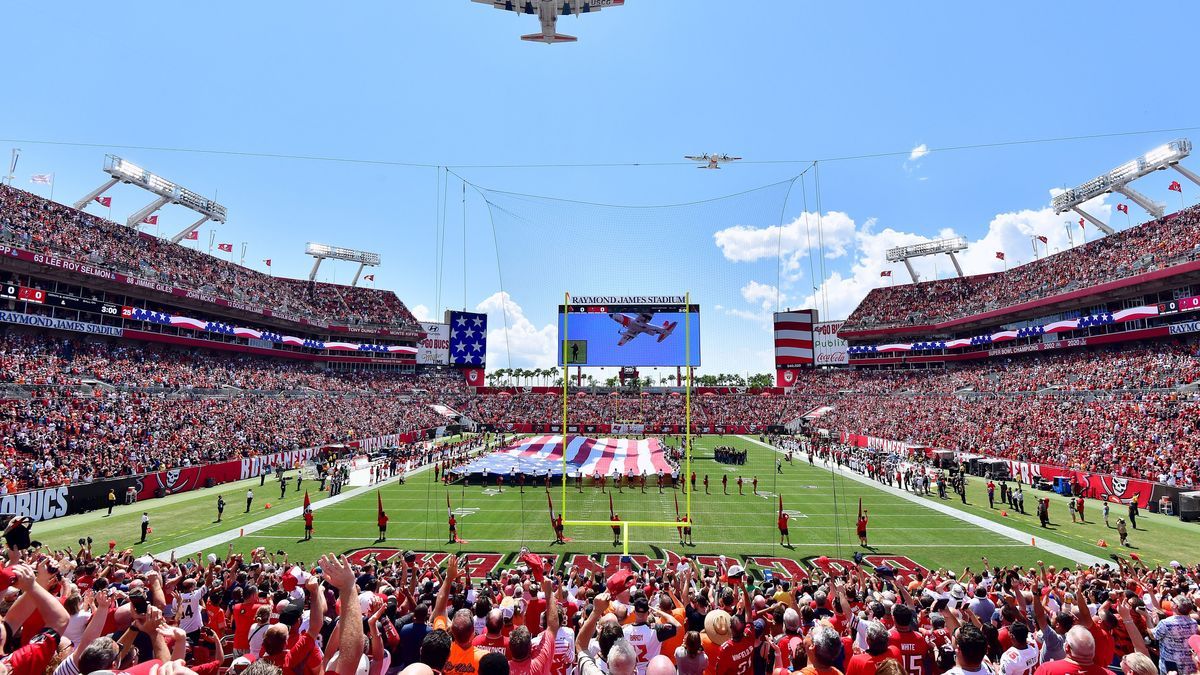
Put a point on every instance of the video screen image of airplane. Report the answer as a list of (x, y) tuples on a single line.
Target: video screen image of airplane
[(631, 339)]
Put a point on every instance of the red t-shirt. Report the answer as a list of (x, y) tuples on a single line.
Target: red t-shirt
[(243, 618), (497, 644), (293, 658), (736, 656), (864, 664), (1105, 648), (1065, 667), (783, 522), (383, 520)]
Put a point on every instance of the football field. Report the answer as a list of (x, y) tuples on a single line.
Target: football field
[(823, 504)]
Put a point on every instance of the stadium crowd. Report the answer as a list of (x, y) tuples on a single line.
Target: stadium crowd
[(91, 610), (168, 408), (79, 438), (42, 226), (1156, 244), (1148, 436)]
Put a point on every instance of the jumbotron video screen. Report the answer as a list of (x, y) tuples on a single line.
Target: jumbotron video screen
[(629, 331)]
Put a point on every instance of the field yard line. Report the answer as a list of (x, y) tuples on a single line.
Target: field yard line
[(1003, 530), (270, 521)]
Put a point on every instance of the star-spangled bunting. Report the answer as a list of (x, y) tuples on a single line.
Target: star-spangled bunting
[(1102, 318), (222, 328), (468, 338)]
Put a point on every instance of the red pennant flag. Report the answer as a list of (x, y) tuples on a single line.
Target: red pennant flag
[(267, 261), (781, 505), (885, 273), (449, 513), (369, 277), (1081, 225), (193, 235), (228, 248), (1175, 187), (611, 511), (104, 201), (1123, 208), (379, 507), (150, 220), (677, 506), (307, 501), (860, 507), (1043, 239), (1000, 255), (550, 504)]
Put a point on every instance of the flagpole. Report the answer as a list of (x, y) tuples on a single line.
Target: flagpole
[(51, 187)]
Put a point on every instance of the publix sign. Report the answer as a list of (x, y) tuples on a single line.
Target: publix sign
[(828, 348)]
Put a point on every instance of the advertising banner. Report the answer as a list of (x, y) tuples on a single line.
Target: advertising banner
[(828, 348), (434, 350)]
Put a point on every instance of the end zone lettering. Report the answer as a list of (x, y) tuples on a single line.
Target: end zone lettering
[(482, 564)]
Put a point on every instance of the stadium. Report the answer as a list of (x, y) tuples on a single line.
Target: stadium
[(329, 400)]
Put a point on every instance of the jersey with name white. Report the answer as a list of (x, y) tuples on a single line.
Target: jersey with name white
[(1019, 661)]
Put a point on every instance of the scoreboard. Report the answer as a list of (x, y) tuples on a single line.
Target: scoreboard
[(1188, 304)]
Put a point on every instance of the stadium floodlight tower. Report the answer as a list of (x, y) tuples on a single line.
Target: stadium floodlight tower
[(949, 246), (323, 251), (168, 193), (1118, 180)]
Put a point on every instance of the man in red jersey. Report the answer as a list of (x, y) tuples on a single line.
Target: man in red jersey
[(912, 646)]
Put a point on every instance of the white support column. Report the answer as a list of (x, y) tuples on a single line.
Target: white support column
[(188, 230), (136, 219), (1101, 225), (911, 272), (1152, 207), (82, 203), (356, 273), (957, 267), (1187, 173), (316, 265)]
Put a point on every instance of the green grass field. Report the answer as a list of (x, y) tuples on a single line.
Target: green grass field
[(824, 507)]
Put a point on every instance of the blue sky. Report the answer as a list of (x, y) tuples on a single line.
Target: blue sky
[(447, 82)]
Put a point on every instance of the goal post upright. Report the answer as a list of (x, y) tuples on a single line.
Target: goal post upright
[(565, 379), (687, 405)]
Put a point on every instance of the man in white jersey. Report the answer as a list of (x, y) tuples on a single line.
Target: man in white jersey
[(190, 618), (647, 639), (1021, 658)]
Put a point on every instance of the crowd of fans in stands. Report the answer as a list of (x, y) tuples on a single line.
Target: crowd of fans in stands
[(1110, 410), (1151, 246), (42, 226), (91, 610), (1148, 436)]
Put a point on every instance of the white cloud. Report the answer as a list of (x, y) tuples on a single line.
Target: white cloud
[(764, 295), (1011, 232), (528, 345), (422, 313), (791, 242), (918, 152)]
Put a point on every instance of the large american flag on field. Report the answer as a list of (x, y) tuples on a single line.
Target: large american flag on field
[(794, 338), (468, 338), (538, 455)]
